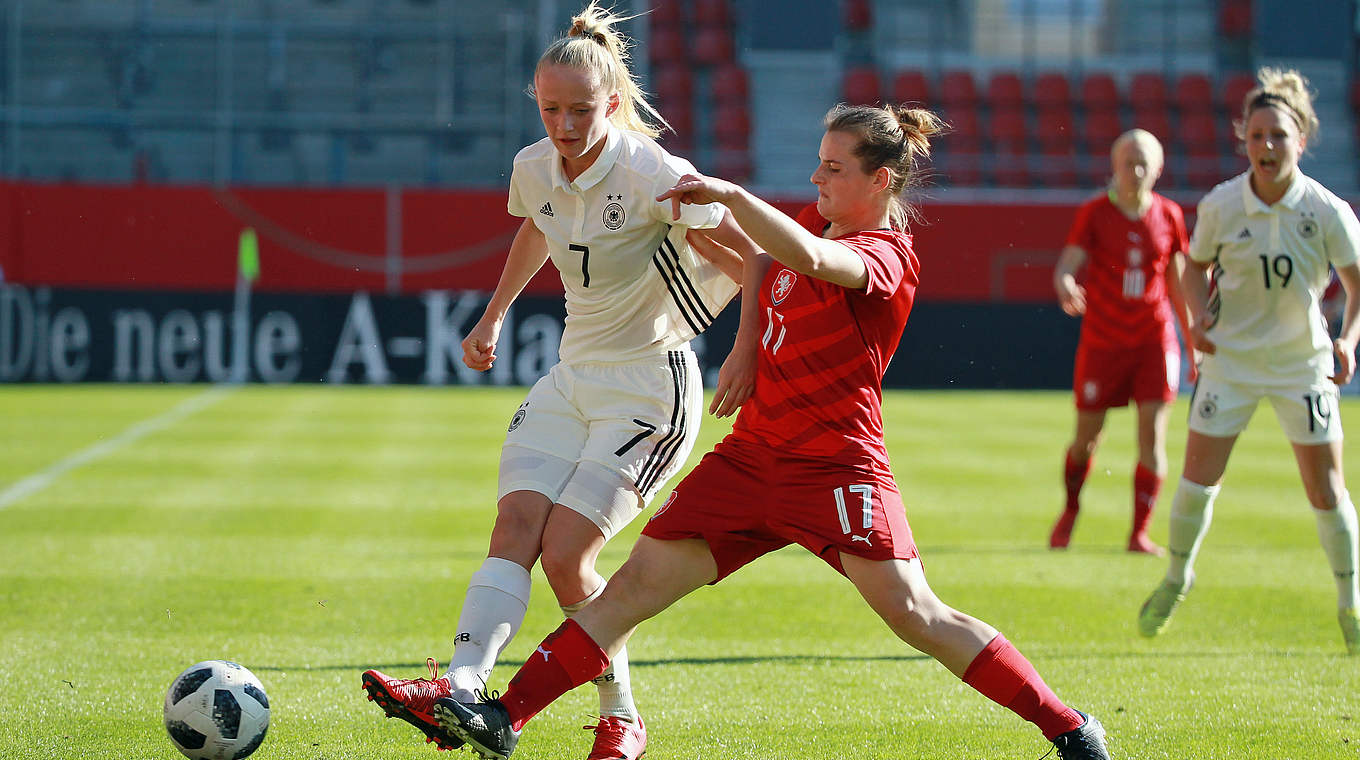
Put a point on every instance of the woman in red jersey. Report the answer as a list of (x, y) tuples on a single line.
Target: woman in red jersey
[(1132, 242), (805, 462)]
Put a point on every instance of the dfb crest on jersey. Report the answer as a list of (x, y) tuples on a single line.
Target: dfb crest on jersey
[(783, 285), (519, 417), (613, 215), (1308, 227)]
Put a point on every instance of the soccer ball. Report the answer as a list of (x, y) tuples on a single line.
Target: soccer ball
[(216, 710)]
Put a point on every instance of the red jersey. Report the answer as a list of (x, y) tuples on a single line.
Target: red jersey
[(823, 351), (1126, 298)]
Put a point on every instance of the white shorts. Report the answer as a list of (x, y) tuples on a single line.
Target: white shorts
[(602, 439), (1309, 414)]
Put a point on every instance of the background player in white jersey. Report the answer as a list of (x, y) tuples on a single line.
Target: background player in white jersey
[(1269, 236), (607, 427)]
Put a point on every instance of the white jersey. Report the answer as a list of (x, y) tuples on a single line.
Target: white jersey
[(634, 287), (1270, 268)]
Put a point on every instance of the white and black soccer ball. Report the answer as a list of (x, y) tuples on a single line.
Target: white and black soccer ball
[(216, 710)]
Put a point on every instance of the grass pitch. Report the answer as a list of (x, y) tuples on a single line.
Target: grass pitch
[(312, 532)]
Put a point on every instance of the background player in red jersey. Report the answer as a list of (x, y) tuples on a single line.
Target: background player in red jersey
[(805, 462), (1132, 242)]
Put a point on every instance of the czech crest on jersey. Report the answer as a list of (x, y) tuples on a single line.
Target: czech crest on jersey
[(783, 285)]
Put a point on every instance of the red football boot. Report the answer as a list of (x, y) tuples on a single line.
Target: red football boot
[(412, 700), (618, 739), (1062, 530)]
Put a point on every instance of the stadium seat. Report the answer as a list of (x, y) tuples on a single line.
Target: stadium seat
[(1006, 130), (732, 127), (1005, 90), (911, 86), (729, 84), (1052, 91), (1099, 92), (667, 46), (860, 86), (1194, 93), (1100, 130), (1234, 90), (1198, 131), (1054, 130), (958, 89), (713, 46), (680, 114), (1009, 168), (1056, 166), (712, 13), (666, 13), (959, 169), (1155, 121), (1147, 91), (857, 15), (671, 82), (965, 133), (1235, 18)]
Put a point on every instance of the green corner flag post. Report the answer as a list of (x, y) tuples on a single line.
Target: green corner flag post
[(248, 255), (247, 271)]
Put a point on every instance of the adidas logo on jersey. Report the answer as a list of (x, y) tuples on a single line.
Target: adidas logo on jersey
[(1245, 234), (546, 210)]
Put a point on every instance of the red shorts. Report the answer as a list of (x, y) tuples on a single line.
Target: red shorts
[(745, 500), (1109, 377)]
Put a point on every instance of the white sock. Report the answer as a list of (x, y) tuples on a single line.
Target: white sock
[(1192, 509), (497, 598), (1337, 532), (614, 685)]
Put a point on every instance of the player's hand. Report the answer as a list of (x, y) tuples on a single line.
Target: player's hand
[(736, 381), (1072, 298), (1345, 361), (1193, 372), (697, 189), (727, 261), (1199, 340), (479, 347)]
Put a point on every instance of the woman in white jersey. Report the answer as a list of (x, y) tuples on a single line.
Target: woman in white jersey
[(1269, 237), (600, 434)]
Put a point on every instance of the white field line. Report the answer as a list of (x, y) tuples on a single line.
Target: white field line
[(40, 480)]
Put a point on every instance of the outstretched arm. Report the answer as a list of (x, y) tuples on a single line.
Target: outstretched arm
[(773, 231), (528, 253), (1175, 274), (1071, 296), (1195, 290), (737, 376)]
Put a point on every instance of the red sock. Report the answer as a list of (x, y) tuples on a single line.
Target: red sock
[(1146, 485), (1074, 477), (1004, 676), (565, 660)]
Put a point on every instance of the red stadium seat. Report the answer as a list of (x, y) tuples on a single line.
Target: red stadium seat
[(1155, 121), (1052, 90), (667, 46), (666, 13), (1009, 168), (713, 46), (729, 84), (1057, 166), (680, 114), (1235, 18), (959, 169), (732, 127), (1099, 92), (1006, 129), (1147, 90), (965, 131), (1194, 93), (712, 13), (860, 86), (857, 15), (1005, 90), (958, 89), (671, 82), (1199, 131), (1234, 90), (911, 86), (1100, 130), (1054, 130)]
